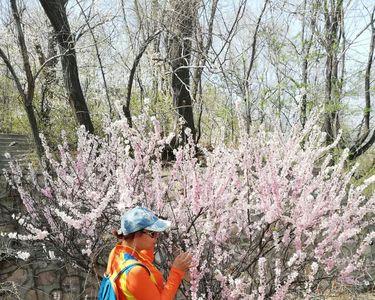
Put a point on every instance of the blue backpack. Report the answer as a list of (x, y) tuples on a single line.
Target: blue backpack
[(108, 288)]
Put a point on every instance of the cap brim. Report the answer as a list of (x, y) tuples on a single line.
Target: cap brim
[(159, 226)]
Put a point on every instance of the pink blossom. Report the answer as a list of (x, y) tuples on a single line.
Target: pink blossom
[(47, 192), (258, 217)]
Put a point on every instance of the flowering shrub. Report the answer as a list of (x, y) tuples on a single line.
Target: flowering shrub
[(274, 216)]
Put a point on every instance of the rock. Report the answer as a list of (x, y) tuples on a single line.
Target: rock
[(46, 278), (7, 266), (70, 296), (41, 264), (91, 292), (19, 276), (71, 284), (31, 295)]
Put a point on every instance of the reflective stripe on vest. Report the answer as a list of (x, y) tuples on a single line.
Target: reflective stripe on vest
[(126, 266)]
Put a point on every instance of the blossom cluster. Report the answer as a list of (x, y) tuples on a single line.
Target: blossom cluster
[(274, 215)]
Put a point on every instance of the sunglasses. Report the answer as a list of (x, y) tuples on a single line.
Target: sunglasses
[(152, 234)]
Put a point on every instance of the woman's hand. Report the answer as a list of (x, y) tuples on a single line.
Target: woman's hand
[(182, 261)]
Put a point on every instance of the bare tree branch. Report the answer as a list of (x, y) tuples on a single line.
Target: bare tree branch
[(98, 57), (363, 143), (126, 107), (14, 75)]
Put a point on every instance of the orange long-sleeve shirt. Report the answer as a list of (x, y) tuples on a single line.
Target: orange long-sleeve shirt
[(138, 281)]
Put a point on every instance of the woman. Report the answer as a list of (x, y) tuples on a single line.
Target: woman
[(134, 256)]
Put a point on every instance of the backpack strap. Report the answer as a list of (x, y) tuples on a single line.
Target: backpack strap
[(126, 265)]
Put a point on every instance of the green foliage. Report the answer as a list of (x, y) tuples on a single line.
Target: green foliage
[(366, 169), (13, 118), (218, 118), (334, 106)]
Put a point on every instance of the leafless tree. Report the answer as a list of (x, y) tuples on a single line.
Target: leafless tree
[(56, 13), (333, 17), (180, 46), (307, 42), (99, 57), (366, 140), (203, 47), (249, 69), (49, 61), (27, 93)]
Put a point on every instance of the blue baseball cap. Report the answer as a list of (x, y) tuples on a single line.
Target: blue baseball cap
[(140, 218)]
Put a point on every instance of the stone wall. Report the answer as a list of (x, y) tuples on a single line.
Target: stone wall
[(36, 279), (32, 279), (43, 280)]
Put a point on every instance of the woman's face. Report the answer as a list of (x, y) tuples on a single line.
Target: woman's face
[(145, 240)]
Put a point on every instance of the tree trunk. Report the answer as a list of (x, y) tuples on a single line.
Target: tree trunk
[(328, 115), (332, 18), (126, 106), (56, 13), (306, 47), (179, 55), (365, 141), (28, 94), (250, 68), (34, 127), (367, 76), (49, 78)]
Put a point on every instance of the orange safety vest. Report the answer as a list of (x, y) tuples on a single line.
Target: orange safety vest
[(125, 267), (124, 259)]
